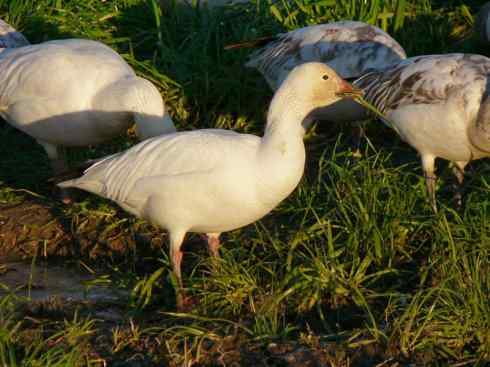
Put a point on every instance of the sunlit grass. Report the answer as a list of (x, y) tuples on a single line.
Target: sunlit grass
[(353, 261)]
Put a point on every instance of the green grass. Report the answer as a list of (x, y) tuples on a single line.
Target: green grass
[(353, 266)]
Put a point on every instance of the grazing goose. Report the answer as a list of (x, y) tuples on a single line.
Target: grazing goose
[(440, 105), (211, 181), (76, 92), (10, 38), (350, 48)]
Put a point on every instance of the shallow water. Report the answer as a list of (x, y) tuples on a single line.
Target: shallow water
[(42, 281)]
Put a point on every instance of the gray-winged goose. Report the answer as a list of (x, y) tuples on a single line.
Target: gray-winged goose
[(439, 104)]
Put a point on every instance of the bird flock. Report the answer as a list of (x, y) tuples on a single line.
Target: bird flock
[(78, 92)]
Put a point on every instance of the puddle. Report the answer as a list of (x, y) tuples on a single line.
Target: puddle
[(43, 281)]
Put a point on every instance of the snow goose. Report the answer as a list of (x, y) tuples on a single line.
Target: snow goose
[(10, 38), (440, 105), (188, 181), (350, 48), (76, 92)]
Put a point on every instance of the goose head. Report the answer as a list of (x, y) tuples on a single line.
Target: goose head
[(150, 114), (309, 88)]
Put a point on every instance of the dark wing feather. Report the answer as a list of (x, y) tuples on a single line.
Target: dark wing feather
[(422, 80)]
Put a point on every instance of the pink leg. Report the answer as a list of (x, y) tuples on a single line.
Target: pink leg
[(176, 265), (176, 256), (213, 244)]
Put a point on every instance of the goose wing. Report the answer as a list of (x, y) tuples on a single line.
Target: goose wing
[(428, 80), (191, 153)]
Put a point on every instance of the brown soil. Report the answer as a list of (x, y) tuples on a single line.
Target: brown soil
[(26, 227), (35, 227)]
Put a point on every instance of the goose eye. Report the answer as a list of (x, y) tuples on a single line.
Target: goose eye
[(325, 77)]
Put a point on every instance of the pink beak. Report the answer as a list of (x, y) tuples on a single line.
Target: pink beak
[(347, 90)]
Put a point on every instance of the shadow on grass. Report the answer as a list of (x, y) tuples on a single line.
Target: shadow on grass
[(25, 164), (34, 213)]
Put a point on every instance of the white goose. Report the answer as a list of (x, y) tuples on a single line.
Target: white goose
[(10, 38), (188, 181), (350, 48), (440, 105), (76, 92)]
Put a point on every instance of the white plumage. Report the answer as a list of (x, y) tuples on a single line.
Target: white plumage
[(439, 104), (76, 92), (214, 180)]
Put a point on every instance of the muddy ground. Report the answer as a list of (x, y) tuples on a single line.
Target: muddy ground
[(40, 228), (37, 227)]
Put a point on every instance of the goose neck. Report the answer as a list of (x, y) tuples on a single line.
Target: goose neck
[(282, 153)]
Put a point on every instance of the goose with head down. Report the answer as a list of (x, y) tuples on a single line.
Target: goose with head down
[(211, 181), (76, 92), (440, 105)]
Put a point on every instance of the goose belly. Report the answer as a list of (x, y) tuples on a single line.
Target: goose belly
[(229, 215), (434, 129), (66, 126), (208, 202)]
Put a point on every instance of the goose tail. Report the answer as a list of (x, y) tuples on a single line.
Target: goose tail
[(73, 172)]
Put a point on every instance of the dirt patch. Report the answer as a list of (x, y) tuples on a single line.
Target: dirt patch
[(41, 228), (28, 229)]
